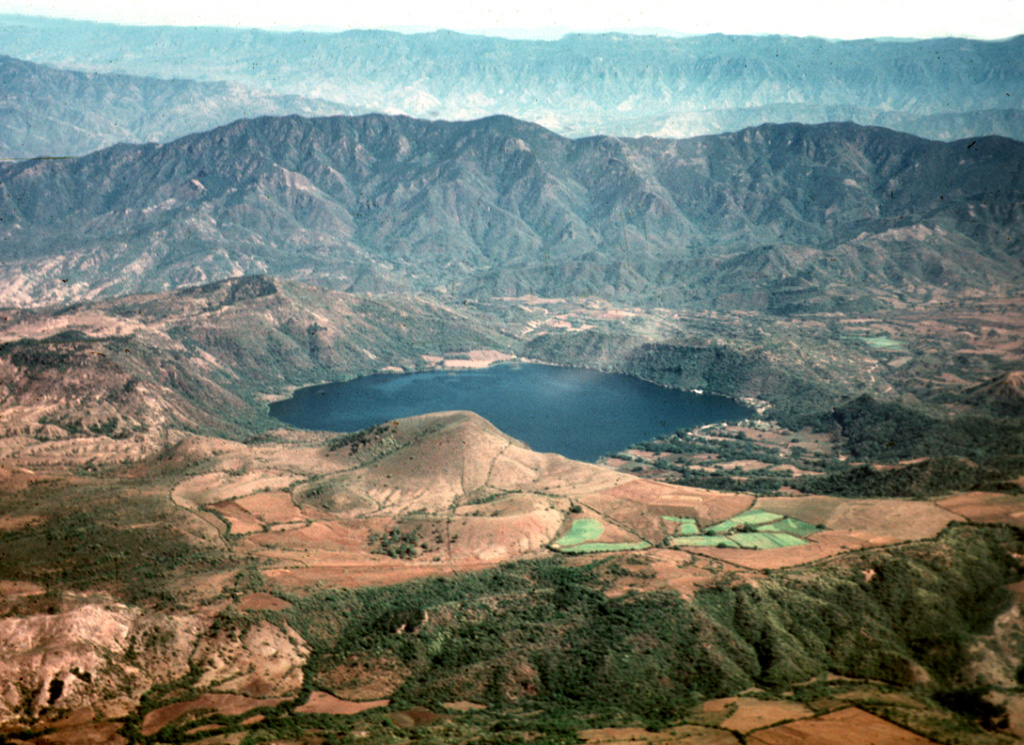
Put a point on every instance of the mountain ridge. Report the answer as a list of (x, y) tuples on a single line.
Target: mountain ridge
[(619, 83), (46, 111), (503, 207)]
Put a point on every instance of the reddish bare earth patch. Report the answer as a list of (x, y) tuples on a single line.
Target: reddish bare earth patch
[(364, 677), (336, 535), (880, 521), (746, 714), (78, 717), (504, 537), (99, 733), (663, 569), (232, 738), (17, 589), (324, 703), (1017, 588), (417, 716), (240, 520), (844, 727), (13, 480), (271, 507), (17, 522), (356, 573), (229, 704), (987, 507)]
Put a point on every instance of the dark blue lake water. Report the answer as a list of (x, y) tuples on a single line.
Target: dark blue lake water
[(581, 414)]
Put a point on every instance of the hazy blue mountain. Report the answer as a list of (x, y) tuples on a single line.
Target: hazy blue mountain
[(48, 111), (777, 217), (581, 84)]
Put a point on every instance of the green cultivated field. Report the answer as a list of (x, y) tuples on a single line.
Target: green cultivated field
[(704, 540), (596, 548), (750, 529), (767, 540), (749, 518), (581, 534), (685, 525), (582, 530), (788, 525)]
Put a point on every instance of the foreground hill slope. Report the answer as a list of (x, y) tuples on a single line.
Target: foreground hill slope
[(175, 567), (50, 112), (580, 84), (775, 217), (230, 577)]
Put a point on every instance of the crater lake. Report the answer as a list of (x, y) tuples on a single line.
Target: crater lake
[(581, 414)]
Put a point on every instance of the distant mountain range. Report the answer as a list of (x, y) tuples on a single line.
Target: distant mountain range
[(777, 217), (615, 84), (45, 111)]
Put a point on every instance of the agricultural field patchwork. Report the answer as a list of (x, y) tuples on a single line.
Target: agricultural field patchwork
[(750, 519), (767, 540), (757, 529), (789, 525), (714, 541)]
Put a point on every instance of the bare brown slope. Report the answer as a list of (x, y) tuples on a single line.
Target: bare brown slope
[(472, 493)]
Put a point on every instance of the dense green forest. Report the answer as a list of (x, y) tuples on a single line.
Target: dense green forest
[(549, 651)]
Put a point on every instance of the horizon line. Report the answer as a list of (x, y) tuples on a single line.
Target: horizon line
[(537, 34)]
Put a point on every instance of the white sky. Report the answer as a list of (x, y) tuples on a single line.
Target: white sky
[(839, 19)]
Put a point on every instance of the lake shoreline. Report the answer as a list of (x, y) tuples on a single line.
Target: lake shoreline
[(577, 412)]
